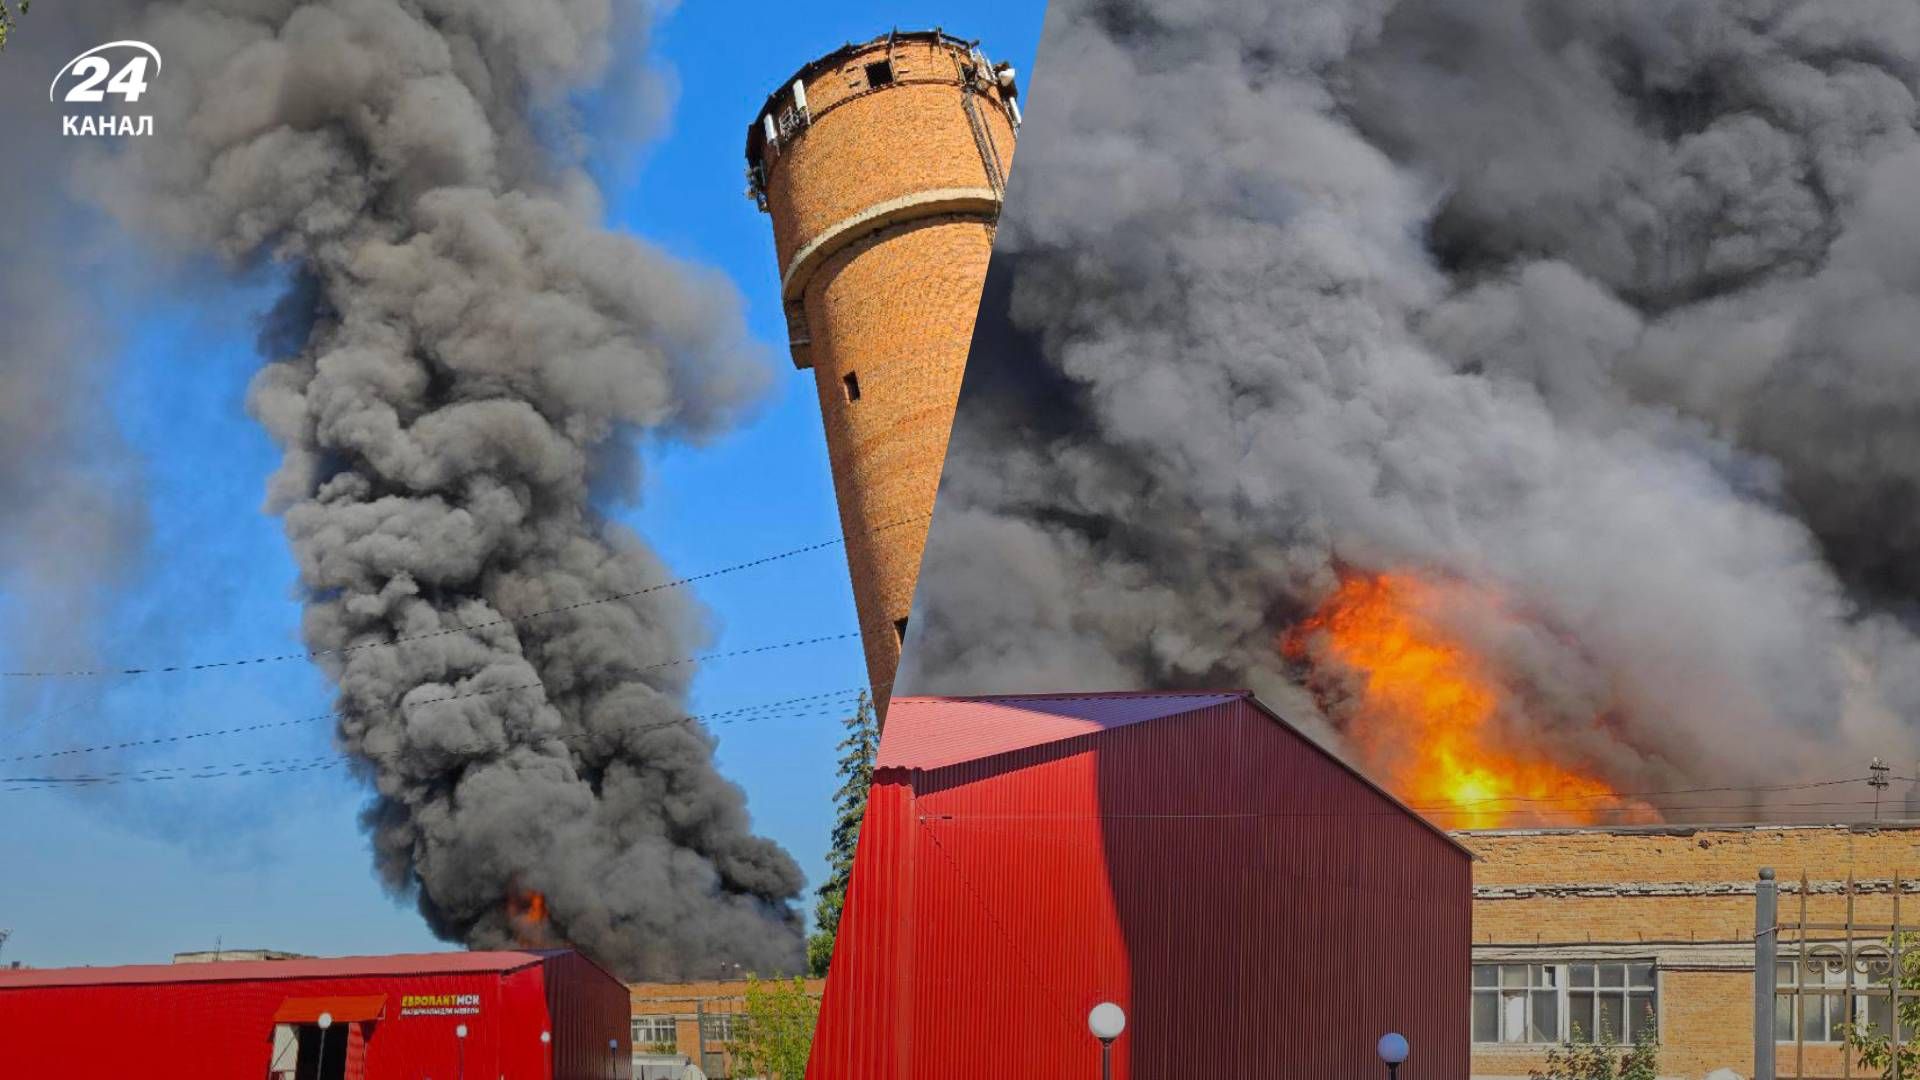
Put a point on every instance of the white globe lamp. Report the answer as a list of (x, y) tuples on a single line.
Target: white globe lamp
[(1106, 1020), (1393, 1051)]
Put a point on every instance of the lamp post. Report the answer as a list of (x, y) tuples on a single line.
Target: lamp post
[(320, 1066), (460, 1040), (1393, 1051), (1106, 1021)]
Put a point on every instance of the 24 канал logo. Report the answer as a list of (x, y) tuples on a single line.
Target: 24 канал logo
[(91, 78)]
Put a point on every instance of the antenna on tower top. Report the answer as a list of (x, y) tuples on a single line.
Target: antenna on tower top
[(4, 935)]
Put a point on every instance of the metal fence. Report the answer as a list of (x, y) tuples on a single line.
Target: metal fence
[(1832, 977)]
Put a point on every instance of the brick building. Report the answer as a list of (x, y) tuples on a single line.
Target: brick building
[(1655, 925), (882, 165), (677, 1024)]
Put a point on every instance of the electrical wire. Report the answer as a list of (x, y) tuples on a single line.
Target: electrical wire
[(698, 658), (1433, 810), (209, 665), (1652, 794), (158, 740), (274, 766)]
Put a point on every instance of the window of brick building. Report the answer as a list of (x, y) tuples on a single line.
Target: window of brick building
[(655, 1032), (1572, 1002), (850, 382), (722, 1027), (879, 73), (1823, 1017)]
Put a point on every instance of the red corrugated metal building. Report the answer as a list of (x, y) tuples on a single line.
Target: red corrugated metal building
[(1258, 908), (546, 1015)]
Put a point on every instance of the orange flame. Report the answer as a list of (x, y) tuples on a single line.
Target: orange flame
[(1425, 712), (527, 914)]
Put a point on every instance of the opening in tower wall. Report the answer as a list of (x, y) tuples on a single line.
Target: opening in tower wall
[(850, 382), (879, 73)]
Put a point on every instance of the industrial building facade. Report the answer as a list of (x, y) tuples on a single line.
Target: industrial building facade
[(692, 1024), (1580, 931), (1256, 907), (883, 166), (550, 1015)]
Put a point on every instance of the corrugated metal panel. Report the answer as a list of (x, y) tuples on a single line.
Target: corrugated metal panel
[(250, 970), (866, 1017), (223, 1027), (931, 732), (588, 1009), (1256, 908)]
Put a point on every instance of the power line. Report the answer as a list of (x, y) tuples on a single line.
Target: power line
[(1361, 814), (88, 673), (275, 766), (157, 740), (1655, 794), (1450, 809)]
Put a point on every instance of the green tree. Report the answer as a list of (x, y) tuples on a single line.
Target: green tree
[(8, 13), (1873, 1044), (1604, 1059), (850, 802), (773, 1037)]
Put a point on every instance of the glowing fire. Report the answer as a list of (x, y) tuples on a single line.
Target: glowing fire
[(1426, 712), (527, 914)]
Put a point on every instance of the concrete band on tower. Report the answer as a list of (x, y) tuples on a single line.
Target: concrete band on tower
[(882, 165)]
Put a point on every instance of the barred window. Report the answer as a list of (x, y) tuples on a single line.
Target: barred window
[(1571, 1002), (1822, 1018)]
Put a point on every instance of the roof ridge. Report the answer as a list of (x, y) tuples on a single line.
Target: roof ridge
[(1082, 696)]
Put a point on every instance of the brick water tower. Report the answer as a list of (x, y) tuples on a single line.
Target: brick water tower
[(883, 165)]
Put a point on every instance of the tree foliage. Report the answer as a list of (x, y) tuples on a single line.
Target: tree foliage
[(1603, 1060), (8, 13), (857, 752), (775, 1034), (1874, 1045)]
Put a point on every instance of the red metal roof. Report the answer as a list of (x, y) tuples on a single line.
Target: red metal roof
[(935, 732), (247, 970), (932, 732)]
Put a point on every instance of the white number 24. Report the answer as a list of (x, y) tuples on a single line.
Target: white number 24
[(129, 82)]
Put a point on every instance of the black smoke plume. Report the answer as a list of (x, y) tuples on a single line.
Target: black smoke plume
[(461, 369), (1611, 309)]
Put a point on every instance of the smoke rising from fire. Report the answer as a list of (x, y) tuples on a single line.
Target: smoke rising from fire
[(459, 373), (1608, 311), (72, 514)]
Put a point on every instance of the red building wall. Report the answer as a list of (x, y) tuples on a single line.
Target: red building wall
[(210, 1022), (1256, 908), (587, 1007)]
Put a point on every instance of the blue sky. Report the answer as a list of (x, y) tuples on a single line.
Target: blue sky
[(136, 872)]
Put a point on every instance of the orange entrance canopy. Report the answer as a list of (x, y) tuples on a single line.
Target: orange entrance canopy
[(343, 1009)]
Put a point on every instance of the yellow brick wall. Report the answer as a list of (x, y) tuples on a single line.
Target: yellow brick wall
[(867, 147), (1589, 888), (685, 1001), (897, 312), (896, 307)]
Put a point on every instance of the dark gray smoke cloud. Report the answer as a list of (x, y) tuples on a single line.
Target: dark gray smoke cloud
[(72, 513), (460, 370), (1609, 310)]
